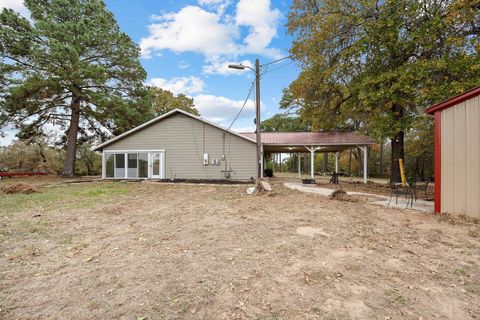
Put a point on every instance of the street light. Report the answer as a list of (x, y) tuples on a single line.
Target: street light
[(239, 67), (257, 108)]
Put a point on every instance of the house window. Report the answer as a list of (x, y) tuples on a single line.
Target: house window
[(119, 165), (109, 166), (132, 165), (143, 165)]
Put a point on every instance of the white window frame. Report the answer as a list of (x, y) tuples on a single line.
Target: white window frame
[(126, 152)]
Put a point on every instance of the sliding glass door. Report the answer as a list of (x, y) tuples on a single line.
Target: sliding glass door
[(134, 165)]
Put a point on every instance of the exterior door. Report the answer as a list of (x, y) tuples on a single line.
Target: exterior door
[(156, 165)]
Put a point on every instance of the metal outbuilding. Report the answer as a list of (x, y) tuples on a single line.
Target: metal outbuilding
[(457, 154)]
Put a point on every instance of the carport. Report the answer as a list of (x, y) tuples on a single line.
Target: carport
[(313, 142)]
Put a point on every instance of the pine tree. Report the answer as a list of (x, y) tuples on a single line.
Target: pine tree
[(69, 66)]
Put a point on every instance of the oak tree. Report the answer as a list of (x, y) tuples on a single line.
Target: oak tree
[(379, 64)]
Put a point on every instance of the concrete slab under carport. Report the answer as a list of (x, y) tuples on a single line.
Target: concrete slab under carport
[(420, 205), (313, 149)]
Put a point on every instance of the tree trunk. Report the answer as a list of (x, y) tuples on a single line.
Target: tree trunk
[(358, 156), (350, 163), (89, 165), (70, 156), (397, 153), (306, 157), (325, 163), (380, 169), (397, 147)]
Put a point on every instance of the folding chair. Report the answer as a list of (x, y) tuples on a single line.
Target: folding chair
[(334, 178), (397, 189)]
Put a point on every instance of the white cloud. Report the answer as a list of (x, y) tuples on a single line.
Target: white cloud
[(183, 64), (220, 66), (185, 85), (218, 36), (262, 22), (243, 128), (16, 5), (222, 110), (210, 2), (191, 29), (218, 5)]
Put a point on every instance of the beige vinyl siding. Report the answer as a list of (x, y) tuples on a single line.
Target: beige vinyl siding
[(460, 150), (185, 140)]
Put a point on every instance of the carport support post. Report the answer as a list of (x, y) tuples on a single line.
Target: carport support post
[(312, 150), (365, 162), (273, 157), (312, 163), (299, 163), (337, 154)]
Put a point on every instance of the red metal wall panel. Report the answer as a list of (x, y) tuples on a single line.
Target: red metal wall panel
[(438, 161)]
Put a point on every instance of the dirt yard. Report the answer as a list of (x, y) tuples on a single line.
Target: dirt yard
[(112, 250)]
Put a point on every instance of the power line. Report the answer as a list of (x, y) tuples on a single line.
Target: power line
[(279, 67), (275, 61), (243, 106)]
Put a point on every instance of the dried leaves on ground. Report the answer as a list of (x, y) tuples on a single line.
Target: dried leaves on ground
[(22, 188), (179, 251)]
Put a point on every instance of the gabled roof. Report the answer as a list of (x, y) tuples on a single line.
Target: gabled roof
[(311, 138), (164, 116), (453, 101)]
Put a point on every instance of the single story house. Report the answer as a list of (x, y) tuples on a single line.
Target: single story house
[(180, 145), (457, 154)]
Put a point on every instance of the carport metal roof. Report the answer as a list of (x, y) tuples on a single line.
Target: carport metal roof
[(312, 142), (286, 142)]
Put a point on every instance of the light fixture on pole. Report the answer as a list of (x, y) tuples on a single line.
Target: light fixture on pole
[(257, 109)]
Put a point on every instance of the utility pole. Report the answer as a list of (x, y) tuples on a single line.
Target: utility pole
[(257, 116), (257, 120)]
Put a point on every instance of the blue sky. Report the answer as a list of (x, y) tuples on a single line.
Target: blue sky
[(187, 45)]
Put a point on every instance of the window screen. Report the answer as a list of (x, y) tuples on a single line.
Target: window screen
[(109, 166), (132, 165), (119, 165), (143, 165)]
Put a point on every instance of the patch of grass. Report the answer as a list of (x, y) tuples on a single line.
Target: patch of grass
[(65, 241), (395, 298), (181, 305), (463, 271), (102, 190), (93, 304), (473, 287), (64, 197), (324, 315), (158, 310), (33, 227)]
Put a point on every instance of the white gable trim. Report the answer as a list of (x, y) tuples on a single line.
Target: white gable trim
[(163, 116)]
